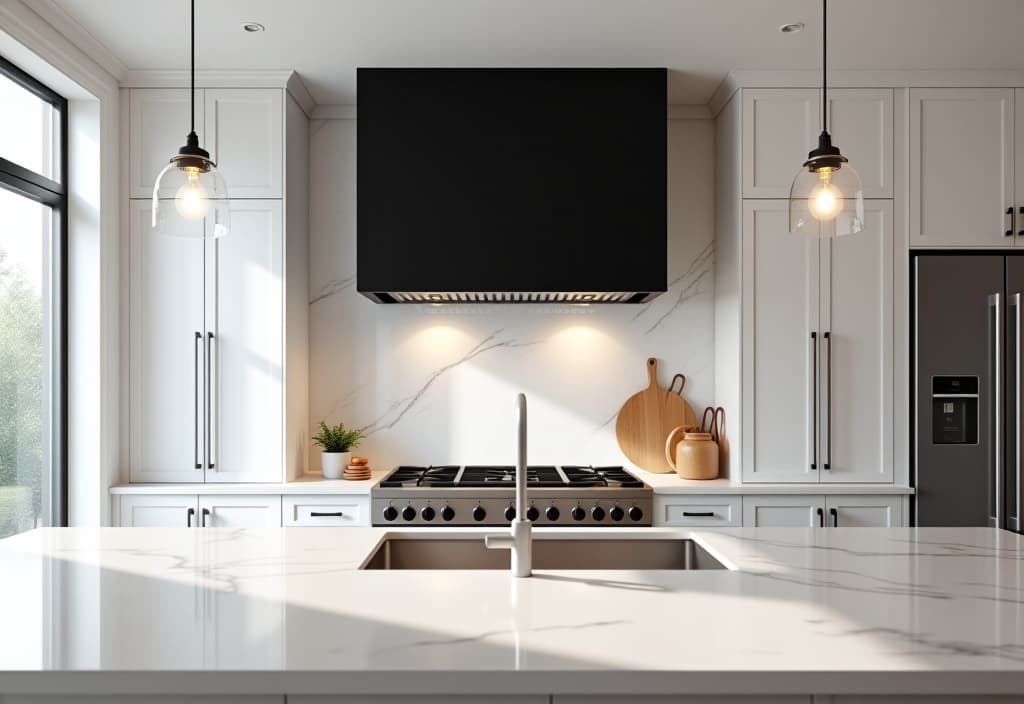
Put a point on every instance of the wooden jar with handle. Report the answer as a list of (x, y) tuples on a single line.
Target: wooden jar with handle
[(693, 457)]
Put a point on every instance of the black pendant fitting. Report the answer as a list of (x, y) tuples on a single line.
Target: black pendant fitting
[(192, 156), (826, 156)]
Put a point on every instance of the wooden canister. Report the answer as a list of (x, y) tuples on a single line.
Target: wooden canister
[(695, 456)]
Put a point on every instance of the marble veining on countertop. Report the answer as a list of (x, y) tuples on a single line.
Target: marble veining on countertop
[(848, 610)]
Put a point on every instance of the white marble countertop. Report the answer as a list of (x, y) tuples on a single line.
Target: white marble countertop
[(184, 611), (672, 483), (306, 484)]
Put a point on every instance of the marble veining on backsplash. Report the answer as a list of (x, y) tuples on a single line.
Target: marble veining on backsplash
[(434, 384)]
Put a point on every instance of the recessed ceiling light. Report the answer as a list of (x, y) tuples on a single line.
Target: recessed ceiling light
[(253, 27), (791, 27)]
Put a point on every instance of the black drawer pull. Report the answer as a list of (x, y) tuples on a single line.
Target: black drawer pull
[(316, 514), (835, 517), (699, 514), (821, 517)]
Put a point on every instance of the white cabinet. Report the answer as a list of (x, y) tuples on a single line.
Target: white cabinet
[(159, 121), (245, 136), (244, 314), (856, 353), (783, 511), (780, 327), (961, 167), (698, 510), (815, 511), (244, 511), (209, 373), (206, 511), (326, 510), (780, 126), (817, 350), (166, 363), (158, 511), (847, 511)]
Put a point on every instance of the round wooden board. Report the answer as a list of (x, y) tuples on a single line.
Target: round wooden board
[(647, 418)]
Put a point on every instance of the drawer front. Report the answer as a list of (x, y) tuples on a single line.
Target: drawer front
[(326, 510), (699, 510)]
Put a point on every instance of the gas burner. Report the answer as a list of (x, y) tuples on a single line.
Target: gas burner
[(485, 476)]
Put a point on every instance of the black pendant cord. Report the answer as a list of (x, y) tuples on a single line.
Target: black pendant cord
[(824, 57), (193, 30)]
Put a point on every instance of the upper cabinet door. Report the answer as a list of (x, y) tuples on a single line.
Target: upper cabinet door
[(856, 357), (779, 128), (165, 321), (244, 309), (961, 167), (780, 313), (861, 124), (159, 121), (246, 135)]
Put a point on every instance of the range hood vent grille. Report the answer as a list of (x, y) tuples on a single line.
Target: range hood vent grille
[(438, 297)]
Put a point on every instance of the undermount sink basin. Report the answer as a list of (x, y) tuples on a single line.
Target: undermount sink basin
[(548, 554)]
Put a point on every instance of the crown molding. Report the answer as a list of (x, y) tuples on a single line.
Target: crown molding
[(296, 88), (206, 78), (688, 112), (79, 36), (723, 94)]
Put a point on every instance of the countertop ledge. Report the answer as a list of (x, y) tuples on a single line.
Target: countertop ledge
[(660, 483), (846, 611)]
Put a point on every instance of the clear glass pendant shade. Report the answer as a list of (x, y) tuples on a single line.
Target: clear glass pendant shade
[(191, 201), (827, 202)]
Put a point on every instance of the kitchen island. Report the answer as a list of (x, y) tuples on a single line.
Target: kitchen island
[(843, 613)]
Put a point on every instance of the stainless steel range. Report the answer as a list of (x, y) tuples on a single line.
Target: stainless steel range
[(485, 495)]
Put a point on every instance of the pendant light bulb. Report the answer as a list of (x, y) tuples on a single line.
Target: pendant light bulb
[(192, 201), (825, 200)]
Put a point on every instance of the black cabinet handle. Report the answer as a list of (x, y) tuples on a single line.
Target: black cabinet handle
[(821, 518), (326, 513), (206, 512), (188, 517), (1021, 211), (1009, 211), (699, 514), (835, 517), (814, 399)]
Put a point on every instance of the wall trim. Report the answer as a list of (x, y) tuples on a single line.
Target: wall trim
[(79, 36), (206, 78), (296, 88), (334, 112), (689, 112)]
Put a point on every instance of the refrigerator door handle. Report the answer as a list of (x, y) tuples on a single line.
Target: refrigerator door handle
[(828, 404), (1019, 498), (814, 400), (995, 302)]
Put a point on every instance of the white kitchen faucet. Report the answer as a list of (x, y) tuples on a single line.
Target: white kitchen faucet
[(520, 542)]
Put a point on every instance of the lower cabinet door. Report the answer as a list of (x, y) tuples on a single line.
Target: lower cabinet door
[(783, 511), (158, 511), (249, 511), (863, 511)]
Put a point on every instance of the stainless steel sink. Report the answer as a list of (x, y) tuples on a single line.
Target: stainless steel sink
[(548, 554)]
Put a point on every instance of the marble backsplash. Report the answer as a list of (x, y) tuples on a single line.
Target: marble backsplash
[(436, 384)]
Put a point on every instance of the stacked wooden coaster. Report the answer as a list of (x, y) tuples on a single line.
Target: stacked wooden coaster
[(359, 469)]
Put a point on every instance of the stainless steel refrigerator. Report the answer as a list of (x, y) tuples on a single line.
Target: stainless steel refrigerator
[(967, 320)]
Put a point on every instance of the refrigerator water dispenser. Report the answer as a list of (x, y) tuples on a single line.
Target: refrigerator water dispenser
[(955, 410)]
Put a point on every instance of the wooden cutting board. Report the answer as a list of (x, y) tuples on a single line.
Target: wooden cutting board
[(647, 418)]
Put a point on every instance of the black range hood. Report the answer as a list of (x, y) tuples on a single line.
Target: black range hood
[(511, 185)]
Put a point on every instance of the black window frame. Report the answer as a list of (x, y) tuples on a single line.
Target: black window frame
[(53, 194)]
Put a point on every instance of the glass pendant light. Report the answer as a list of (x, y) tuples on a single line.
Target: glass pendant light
[(826, 199), (190, 198)]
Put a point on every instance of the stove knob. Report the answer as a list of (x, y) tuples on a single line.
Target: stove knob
[(408, 513), (532, 514), (616, 513), (635, 514), (598, 513), (447, 513), (479, 513), (510, 513), (552, 513), (390, 513), (578, 514), (428, 513)]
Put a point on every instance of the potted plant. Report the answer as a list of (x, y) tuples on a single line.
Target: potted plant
[(337, 443)]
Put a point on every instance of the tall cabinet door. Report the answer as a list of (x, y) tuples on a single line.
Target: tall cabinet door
[(165, 350), (244, 317), (159, 120), (781, 336), (856, 357), (961, 167)]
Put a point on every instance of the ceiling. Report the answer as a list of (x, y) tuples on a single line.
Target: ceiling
[(699, 40)]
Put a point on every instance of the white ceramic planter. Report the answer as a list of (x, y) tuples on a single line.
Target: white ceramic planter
[(332, 464)]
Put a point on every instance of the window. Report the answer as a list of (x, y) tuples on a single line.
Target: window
[(33, 277)]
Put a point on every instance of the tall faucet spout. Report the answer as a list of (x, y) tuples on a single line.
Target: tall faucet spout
[(521, 456), (520, 542)]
